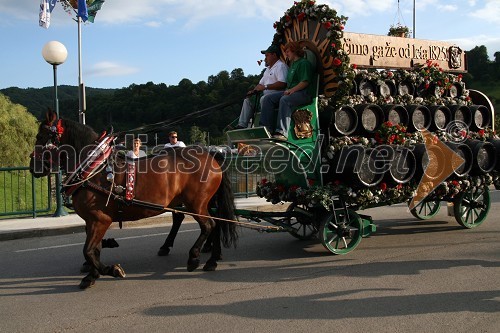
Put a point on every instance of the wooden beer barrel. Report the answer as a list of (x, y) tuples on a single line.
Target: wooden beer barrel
[(367, 87), (461, 113), (387, 88), (464, 151), (345, 121), (405, 88), (419, 117), (441, 117), (371, 117), (354, 165), (484, 156), (480, 117), (396, 114), (421, 160), (397, 163), (455, 90), (496, 144)]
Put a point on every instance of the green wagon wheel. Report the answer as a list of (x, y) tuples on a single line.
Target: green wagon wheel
[(302, 226), (472, 206), (426, 209), (341, 238)]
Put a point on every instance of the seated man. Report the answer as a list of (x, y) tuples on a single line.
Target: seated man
[(297, 93), (173, 142), (273, 80)]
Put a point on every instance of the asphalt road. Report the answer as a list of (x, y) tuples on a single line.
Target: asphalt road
[(411, 276)]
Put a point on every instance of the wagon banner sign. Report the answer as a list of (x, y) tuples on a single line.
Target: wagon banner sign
[(368, 51), (395, 52)]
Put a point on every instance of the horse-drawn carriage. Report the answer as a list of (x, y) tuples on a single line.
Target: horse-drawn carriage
[(391, 121)]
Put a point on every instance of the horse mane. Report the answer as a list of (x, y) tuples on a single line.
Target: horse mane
[(78, 135)]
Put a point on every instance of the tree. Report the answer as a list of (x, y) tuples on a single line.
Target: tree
[(477, 59), (18, 129), (197, 136)]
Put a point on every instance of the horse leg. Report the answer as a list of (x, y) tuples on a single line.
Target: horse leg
[(211, 264), (206, 226), (92, 254), (105, 243), (177, 219), (207, 247)]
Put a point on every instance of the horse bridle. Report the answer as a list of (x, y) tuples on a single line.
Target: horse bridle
[(56, 131)]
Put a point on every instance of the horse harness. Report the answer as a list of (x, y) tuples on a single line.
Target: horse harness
[(100, 158)]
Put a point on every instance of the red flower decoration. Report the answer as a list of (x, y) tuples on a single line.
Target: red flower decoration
[(354, 66), (383, 186), (337, 62), (301, 17), (327, 25)]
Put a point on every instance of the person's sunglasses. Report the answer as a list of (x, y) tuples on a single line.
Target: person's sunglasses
[(173, 137)]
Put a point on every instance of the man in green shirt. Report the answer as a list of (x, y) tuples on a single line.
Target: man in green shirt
[(297, 93)]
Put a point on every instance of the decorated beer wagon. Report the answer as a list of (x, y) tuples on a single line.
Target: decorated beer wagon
[(392, 122)]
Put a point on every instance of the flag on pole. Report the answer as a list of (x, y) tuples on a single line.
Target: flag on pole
[(93, 8), (82, 10), (46, 7)]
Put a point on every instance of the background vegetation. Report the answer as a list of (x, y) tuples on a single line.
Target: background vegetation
[(141, 104)]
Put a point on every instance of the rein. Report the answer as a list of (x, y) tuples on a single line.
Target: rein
[(153, 206), (172, 121)]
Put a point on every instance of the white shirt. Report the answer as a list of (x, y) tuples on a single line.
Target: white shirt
[(177, 144), (131, 154), (277, 72)]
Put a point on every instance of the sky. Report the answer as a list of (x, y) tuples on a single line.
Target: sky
[(165, 41)]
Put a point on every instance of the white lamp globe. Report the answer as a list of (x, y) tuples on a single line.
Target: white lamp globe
[(54, 53)]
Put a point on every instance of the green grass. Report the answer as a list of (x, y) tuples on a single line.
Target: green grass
[(16, 192)]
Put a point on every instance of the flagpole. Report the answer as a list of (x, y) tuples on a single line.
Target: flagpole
[(81, 86), (414, 24)]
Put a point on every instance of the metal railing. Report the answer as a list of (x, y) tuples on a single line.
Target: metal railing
[(245, 173), (22, 194)]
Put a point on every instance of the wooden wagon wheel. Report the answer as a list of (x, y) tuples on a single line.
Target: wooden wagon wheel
[(472, 206), (426, 209), (302, 226), (343, 237)]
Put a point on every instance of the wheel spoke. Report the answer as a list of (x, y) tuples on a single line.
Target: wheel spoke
[(345, 243)]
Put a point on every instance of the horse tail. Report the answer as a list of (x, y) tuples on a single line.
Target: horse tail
[(225, 207)]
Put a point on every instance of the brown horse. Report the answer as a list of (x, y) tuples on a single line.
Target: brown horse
[(188, 177)]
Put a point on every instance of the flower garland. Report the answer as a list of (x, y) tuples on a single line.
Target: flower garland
[(382, 194), (426, 77)]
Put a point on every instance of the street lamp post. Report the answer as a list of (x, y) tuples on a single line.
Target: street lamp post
[(55, 53)]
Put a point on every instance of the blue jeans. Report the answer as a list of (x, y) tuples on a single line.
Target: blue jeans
[(247, 110), (286, 105)]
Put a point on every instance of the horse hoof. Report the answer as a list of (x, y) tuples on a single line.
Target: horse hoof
[(87, 283), (210, 266), (193, 264), (118, 271), (163, 252)]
